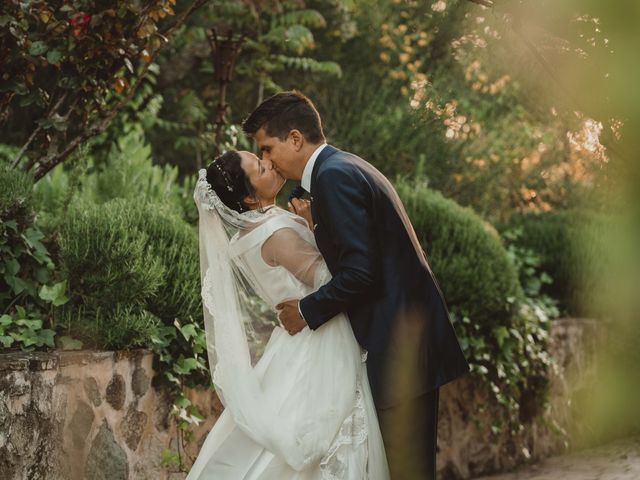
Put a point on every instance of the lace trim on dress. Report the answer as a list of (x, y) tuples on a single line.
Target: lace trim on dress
[(207, 299), (207, 286), (353, 433)]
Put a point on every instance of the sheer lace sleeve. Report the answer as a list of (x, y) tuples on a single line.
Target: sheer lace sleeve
[(287, 248)]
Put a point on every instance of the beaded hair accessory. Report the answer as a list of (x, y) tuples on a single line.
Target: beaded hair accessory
[(207, 196), (225, 175), (228, 183)]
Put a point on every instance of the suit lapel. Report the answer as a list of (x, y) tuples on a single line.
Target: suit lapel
[(324, 154)]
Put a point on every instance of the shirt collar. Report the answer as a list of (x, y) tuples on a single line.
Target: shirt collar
[(308, 169)]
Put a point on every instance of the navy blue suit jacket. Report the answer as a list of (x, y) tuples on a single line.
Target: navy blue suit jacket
[(381, 280)]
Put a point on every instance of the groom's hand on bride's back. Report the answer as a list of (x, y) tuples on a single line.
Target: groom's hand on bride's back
[(289, 316)]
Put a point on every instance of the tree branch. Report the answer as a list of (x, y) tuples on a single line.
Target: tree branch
[(33, 135), (100, 125)]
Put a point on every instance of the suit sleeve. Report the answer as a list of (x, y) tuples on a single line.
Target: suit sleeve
[(345, 210)]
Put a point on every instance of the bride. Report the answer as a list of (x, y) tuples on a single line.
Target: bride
[(304, 409)]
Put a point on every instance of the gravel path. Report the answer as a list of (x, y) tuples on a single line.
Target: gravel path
[(615, 461)]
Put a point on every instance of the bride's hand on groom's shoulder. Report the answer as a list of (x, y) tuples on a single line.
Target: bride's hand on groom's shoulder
[(289, 316), (303, 208)]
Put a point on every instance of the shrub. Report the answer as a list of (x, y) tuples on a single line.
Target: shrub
[(128, 172), (116, 328), (15, 195), (129, 257), (573, 250), (471, 265), (28, 289), (502, 334), (175, 244), (532, 278), (106, 257)]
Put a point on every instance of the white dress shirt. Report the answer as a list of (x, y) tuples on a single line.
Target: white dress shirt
[(308, 168)]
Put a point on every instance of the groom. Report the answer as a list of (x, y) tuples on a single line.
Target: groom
[(381, 279)]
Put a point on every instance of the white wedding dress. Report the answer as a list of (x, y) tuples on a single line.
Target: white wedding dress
[(305, 410)]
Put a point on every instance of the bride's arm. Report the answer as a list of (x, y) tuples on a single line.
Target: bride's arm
[(288, 249)]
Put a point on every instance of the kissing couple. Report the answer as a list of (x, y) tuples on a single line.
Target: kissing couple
[(347, 384)]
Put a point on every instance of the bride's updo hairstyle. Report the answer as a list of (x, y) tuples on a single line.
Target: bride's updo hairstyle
[(228, 180)]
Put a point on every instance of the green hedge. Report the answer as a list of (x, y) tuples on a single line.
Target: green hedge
[(469, 261), (119, 327), (175, 244), (503, 335), (129, 262), (106, 257), (572, 246)]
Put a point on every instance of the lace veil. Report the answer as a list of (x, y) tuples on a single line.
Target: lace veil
[(227, 293), (237, 323)]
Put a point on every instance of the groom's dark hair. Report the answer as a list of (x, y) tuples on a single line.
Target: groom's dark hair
[(283, 112)]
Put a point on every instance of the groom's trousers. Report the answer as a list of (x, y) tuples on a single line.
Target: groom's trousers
[(410, 432)]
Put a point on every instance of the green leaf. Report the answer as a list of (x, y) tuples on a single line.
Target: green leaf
[(196, 414), (54, 57), (5, 320), (38, 48), (309, 18), (185, 365), (33, 236), (20, 311), (29, 323), (54, 294), (28, 100), (45, 337), (12, 224), (13, 267), (5, 20), (182, 402), (6, 341), (188, 331), (501, 333), (67, 343), (42, 275), (17, 284), (27, 338)]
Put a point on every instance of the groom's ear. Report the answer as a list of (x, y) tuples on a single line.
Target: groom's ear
[(297, 139)]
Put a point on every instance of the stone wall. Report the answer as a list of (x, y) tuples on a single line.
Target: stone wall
[(95, 415), (466, 445)]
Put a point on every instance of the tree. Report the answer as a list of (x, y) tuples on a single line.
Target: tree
[(71, 66), (278, 40)]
